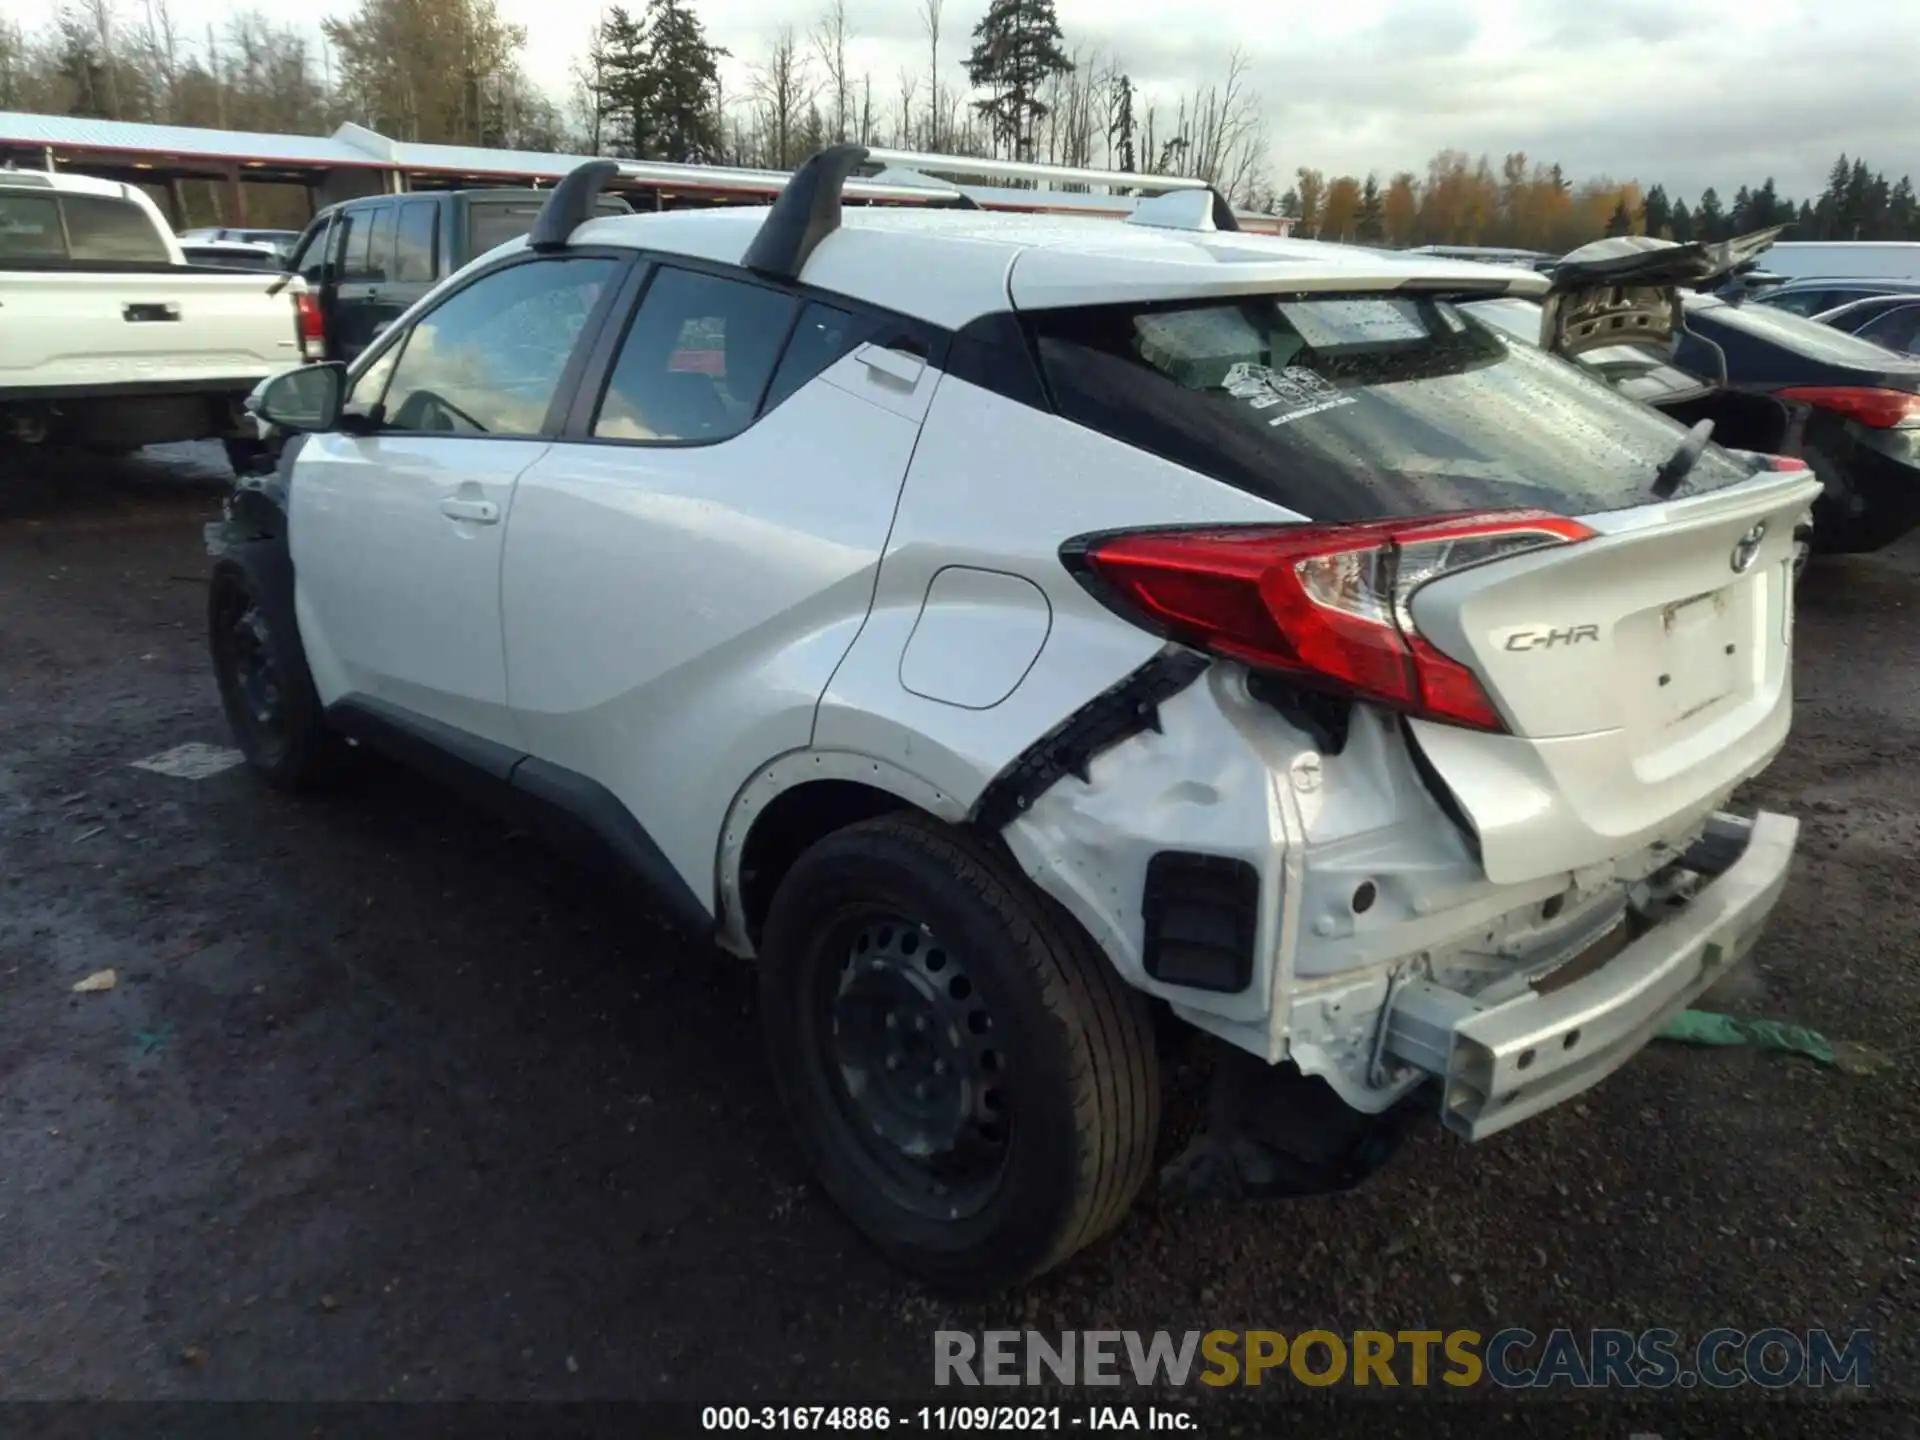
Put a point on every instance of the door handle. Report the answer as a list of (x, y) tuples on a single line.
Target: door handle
[(474, 512), (149, 314), (890, 365)]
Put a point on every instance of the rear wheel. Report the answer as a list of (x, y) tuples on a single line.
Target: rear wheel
[(971, 1081), (265, 689)]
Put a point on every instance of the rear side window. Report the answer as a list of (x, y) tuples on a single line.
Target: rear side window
[(112, 231), (1359, 407), (1806, 302), (30, 228), (696, 360), (414, 240), (369, 244), (823, 336), (1769, 325), (1898, 330)]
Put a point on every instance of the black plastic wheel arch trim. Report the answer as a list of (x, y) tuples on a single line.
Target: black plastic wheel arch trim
[(1115, 715), (573, 812)]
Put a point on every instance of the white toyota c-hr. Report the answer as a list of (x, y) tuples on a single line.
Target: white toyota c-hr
[(1013, 633)]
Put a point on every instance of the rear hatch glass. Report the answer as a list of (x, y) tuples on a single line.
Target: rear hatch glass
[(1359, 407), (494, 222)]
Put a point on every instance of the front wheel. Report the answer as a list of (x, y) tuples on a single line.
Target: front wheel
[(265, 689), (971, 1081)]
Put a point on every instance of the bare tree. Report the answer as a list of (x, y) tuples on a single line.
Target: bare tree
[(930, 22), (909, 84), (589, 74), (830, 49), (783, 90)]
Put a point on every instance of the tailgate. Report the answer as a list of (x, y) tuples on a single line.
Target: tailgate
[(69, 330), (1642, 673)]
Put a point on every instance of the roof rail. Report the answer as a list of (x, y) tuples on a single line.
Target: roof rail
[(806, 212), (951, 167), (570, 204)]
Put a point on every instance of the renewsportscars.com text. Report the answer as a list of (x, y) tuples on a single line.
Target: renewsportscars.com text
[(1508, 1359)]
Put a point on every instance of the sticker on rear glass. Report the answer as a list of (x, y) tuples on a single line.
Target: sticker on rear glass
[(1300, 391)]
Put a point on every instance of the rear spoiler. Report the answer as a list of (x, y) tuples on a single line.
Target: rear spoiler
[(1626, 290)]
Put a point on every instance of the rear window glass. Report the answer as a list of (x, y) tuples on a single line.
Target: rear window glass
[(494, 222), (30, 228), (1806, 337), (112, 231), (1359, 407)]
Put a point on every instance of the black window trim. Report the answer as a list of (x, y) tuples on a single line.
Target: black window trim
[(935, 339), (565, 395)]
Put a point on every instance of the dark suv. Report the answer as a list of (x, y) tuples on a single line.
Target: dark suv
[(366, 261)]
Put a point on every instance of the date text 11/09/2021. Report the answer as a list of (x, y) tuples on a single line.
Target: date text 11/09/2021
[(935, 1419)]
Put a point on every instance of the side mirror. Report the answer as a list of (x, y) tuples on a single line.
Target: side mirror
[(307, 398)]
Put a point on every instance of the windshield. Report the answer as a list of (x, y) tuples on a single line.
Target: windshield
[(1347, 408), (1796, 332)]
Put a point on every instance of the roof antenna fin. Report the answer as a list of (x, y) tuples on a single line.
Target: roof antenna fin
[(804, 214)]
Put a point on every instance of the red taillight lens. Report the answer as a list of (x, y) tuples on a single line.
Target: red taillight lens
[(310, 325), (1329, 605), (1876, 409)]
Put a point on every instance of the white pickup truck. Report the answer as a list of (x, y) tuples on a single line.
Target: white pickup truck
[(112, 340)]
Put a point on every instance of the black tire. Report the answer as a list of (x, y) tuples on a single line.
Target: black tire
[(246, 457), (261, 669), (1066, 1046)]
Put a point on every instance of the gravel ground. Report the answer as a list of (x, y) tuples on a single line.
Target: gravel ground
[(388, 1102)]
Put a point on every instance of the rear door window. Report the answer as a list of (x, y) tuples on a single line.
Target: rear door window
[(1898, 329), (30, 227), (1359, 407), (415, 241), (369, 253), (696, 360), (111, 231)]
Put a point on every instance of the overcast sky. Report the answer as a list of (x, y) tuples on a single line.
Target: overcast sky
[(1684, 92)]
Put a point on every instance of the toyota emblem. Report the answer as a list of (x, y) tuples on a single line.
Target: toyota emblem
[(1748, 547)]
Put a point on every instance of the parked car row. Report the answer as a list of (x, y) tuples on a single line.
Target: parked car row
[(1661, 323)]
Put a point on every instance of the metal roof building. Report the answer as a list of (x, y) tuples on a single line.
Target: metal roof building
[(357, 161)]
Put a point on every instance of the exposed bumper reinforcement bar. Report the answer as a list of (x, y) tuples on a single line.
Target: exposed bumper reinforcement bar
[(1504, 1062)]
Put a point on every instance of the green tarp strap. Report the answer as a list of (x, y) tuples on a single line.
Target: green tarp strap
[(1704, 1027)]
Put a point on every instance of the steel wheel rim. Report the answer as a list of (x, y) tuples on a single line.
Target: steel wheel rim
[(914, 1064), (254, 678)]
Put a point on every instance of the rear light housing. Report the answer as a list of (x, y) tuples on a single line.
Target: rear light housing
[(1874, 408), (1327, 606), (310, 326)]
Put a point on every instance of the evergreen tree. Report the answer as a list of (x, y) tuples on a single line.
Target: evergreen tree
[(1017, 47), (1740, 219), (1369, 222), (1657, 213), (659, 82), (1621, 222), (1681, 222), (1808, 224), (1709, 224), (1768, 208)]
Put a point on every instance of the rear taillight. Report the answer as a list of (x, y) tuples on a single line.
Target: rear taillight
[(310, 325), (1874, 408), (1327, 605)]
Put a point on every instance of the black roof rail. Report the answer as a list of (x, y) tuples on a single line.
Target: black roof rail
[(805, 212), (570, 204)]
